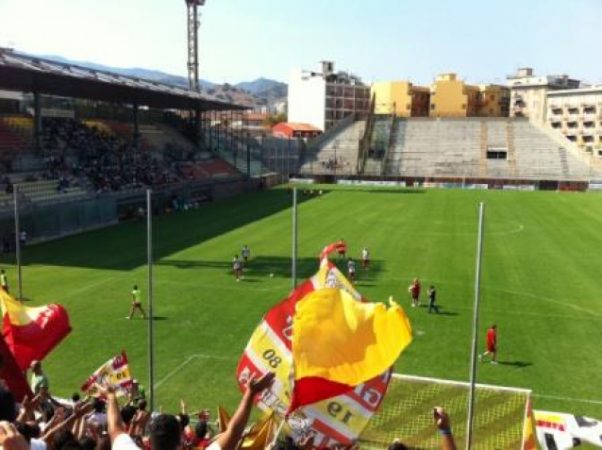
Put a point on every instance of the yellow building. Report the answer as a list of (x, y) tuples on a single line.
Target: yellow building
[(402, 98), (451, 97), (494, 101)]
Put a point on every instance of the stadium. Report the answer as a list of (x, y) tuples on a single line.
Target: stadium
[(152, 225)]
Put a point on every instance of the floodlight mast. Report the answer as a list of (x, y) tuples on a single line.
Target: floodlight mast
[(193, 42)]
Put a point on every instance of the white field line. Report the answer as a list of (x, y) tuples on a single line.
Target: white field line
[(570, 399), (187, 361), (504, 231), (493, 288)]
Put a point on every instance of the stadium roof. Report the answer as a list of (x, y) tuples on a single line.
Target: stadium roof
[(29, 73)]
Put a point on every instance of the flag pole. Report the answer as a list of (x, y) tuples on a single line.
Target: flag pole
[(294, 259), (475, 326), (151, 338), (17, 240)]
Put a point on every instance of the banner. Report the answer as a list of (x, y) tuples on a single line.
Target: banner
[(115, 372), (560, 431), (338, 420), (32, 333)]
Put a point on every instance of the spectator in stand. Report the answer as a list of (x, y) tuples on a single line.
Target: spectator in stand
[(165, 430), (39, 380)]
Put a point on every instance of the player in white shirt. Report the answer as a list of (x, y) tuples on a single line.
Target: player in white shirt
[(351, 269), (365, 258)]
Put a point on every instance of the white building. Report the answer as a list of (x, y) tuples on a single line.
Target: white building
[(577, 113), (323, 98), (528, 93)]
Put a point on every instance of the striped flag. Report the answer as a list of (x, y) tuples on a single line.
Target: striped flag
[(115, 373)]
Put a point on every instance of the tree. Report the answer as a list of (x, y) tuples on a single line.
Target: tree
[(274, 119)]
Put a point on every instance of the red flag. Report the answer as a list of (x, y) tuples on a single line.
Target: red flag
[(31, 333), (12, 375)]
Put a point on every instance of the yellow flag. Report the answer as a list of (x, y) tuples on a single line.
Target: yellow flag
[(260, 435), (339, 339)]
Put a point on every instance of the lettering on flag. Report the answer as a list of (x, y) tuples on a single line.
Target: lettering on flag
[(335, 421), (115, 373), (560, 431)]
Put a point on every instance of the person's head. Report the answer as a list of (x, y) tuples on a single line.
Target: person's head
[(26, 431), (98, 405), (75, 397), (135, 287), (165, 433), (36, 367), (397, 445), (127, 414), (142, 405), (494, 327), (87, 443), (184, 420), (2, 271), (200, 429), (431, 287)]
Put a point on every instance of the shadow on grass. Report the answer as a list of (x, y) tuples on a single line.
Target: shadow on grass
[(279, 266), (517, 364), (123, 247)]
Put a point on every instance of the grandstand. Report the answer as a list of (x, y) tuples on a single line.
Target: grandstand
[(335, 152), (475, 148)]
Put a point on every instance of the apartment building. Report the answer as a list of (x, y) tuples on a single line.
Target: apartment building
[(325, 97), (401, 98), (529, 93), (452, 97), (577, 113)]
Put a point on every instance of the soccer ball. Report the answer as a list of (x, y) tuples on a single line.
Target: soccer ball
[(272, 275)]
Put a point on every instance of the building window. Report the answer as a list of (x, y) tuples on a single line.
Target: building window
[(497, 154)]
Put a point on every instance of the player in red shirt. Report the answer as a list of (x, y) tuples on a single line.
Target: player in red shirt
[(414, 291), (491, 344), (341, 247)]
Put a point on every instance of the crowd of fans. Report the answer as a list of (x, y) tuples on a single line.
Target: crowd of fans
[(106, 161), (100, 160), (104, 422)]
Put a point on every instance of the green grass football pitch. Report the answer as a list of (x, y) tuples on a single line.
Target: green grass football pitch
[(541, 285)]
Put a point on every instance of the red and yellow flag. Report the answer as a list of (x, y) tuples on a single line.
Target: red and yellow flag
[(32, 332), (332, 411)]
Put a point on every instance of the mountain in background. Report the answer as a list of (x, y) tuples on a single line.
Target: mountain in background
[(260, 92)]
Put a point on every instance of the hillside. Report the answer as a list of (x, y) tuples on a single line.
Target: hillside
[(260, 92)]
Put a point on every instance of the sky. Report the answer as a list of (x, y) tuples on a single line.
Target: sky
[(241, 40)]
